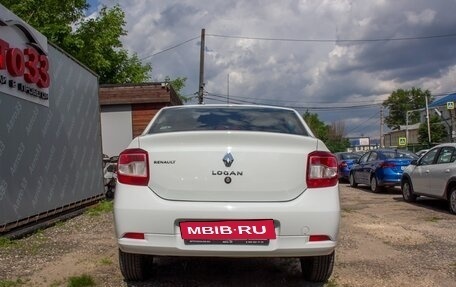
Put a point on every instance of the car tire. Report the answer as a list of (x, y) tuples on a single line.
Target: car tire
[(133, 266), (452, 200), (352, 181), (407, 192), (109, 194), (374, 184), (317, 268)]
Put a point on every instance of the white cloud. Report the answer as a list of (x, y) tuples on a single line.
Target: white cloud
[(425, 17), (300, 73)]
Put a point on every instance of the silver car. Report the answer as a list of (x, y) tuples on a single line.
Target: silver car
[(433, 175)]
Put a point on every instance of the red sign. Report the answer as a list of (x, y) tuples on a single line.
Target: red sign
[(228, 230), (26, 63)]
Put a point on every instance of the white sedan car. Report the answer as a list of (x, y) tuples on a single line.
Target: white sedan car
[(227, 181)]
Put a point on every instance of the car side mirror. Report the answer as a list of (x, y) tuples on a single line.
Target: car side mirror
[(414, 162)]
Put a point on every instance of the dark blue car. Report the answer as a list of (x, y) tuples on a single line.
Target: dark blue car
[(380, 168), (345, 160)]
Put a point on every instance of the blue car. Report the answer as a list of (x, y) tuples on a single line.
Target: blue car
[(345, 161), (380, 168)]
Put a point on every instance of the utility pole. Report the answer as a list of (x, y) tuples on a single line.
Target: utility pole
[(228, 88), (428, 123), (382, 139), (201, 75)]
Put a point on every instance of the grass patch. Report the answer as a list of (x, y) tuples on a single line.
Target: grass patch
[(39, 239), (81, 281), (100, 208), (331, 283), (348, 210), (453, 265), (59, 223), (106, 261), (433, 219), (5, 242), (9, 283), (56, 284)]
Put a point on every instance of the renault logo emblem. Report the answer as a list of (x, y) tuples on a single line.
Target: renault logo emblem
[(228, 159)]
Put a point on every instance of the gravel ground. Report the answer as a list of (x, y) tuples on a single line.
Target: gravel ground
[(383, 242)]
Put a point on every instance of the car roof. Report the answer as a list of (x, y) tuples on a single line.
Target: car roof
[(445, 144), (228, 105)]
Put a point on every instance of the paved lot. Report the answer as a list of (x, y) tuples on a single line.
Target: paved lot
[(383, 242)]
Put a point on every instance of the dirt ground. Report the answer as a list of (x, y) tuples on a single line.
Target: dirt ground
[(383, 241)]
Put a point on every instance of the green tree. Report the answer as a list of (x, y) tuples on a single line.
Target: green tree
[(331, 135), (94, 42), (336, 141), (178, 84), (438, 132), (401, 101), (53, 18), (319, 128)]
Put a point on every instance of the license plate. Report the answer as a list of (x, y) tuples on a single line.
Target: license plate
[(256, 232), (225, 242)]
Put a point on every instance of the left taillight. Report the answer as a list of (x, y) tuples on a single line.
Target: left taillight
[(133, 167), (321, 169)]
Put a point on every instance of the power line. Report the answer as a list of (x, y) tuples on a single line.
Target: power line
[(334, 40), (303, 40), (319, 108), (364, 123), (171, 47), (293, 101)]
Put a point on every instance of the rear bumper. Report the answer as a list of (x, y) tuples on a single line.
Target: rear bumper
[(314, 212), (173, 245), (390, 180), (344, 174)]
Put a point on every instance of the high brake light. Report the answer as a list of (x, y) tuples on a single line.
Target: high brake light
[(133, 167), (321, 169)]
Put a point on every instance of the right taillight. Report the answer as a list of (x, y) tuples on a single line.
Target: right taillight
[(133, 167), (321, 169)]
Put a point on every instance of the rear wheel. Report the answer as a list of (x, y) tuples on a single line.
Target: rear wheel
[(407, 192), (452, 200), (134, 266), (352, 181), (374, 184), (317, 268)]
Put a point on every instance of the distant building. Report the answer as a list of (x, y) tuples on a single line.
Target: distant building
[(443, 107), (362, 144), (392, 139), (127, 109)]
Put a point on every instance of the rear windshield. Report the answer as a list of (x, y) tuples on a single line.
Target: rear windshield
[(228, 118), (399, 154), (350, 156)]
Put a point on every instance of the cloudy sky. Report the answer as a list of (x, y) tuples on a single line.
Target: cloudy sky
[(339, 59)]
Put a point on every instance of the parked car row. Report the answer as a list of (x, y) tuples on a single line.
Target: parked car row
[(433, 174)]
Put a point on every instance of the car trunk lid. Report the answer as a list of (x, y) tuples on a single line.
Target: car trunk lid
[(227, 165)]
